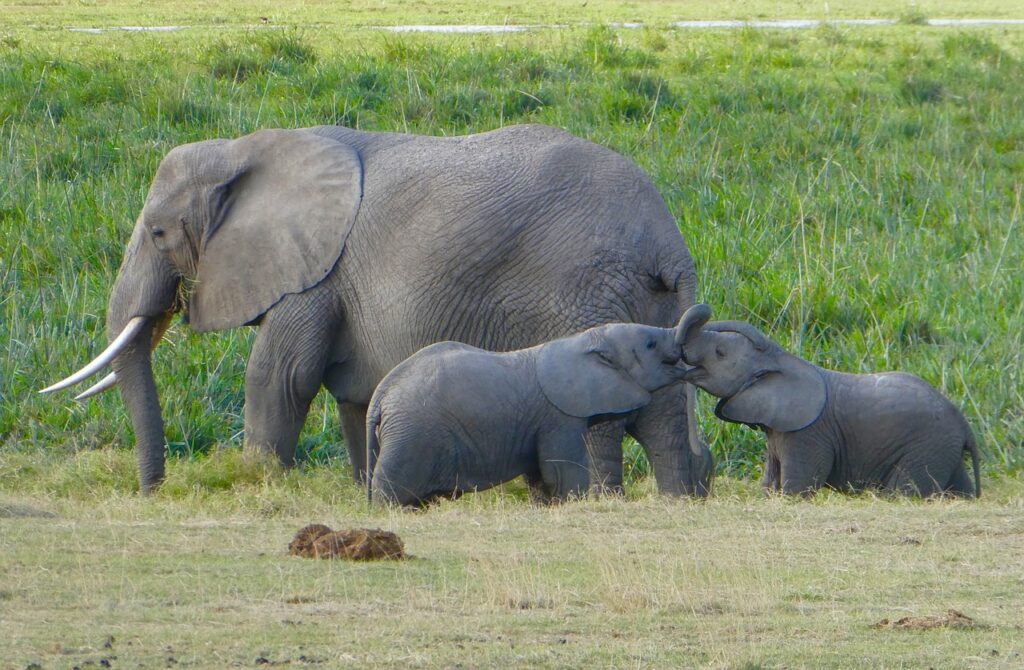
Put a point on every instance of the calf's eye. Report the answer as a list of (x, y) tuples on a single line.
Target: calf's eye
[(651, 344)]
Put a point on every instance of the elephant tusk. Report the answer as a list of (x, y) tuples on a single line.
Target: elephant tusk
[(110, 353), (99, 387)]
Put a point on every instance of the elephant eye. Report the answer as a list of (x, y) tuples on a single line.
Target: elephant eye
[(157, 232), (651, 344), (719, 352)]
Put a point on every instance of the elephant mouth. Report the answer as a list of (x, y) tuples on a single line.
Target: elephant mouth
[(694, 374), (674, 370), (182, 299)]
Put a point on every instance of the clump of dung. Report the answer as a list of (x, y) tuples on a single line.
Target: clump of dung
[(951, 619), (355, 544)]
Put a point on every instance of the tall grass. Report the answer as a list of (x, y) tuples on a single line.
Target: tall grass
[(854, 193)]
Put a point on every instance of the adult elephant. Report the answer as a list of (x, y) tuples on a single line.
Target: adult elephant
[(352, 250)]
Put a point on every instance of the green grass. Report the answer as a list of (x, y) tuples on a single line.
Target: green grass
[(50, 14), (853, 192), (199, 575)]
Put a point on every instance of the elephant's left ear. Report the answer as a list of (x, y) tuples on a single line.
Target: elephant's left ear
[(789, 397), (580, 380), (277, 226)]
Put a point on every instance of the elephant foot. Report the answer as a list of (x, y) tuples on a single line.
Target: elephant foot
[(265, 456)]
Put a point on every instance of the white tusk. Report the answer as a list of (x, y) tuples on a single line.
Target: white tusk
[(110, 353), (99, 387)]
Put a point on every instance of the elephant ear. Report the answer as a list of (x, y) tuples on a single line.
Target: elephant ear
[(277, 226), (579, 378), (789, 397)]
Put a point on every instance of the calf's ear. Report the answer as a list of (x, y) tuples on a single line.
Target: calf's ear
[(580, 377), (789, 397)]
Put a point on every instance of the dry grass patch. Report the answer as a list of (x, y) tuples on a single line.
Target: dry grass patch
[(731, 582)]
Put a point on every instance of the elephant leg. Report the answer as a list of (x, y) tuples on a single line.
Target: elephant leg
[(603, 442), (802, 471), (563, 464), (285, 371), (667, 431), (960, 483), (771, 480), (406, 472), (398, 480), (353, 431), (538, 491), (911, 481)]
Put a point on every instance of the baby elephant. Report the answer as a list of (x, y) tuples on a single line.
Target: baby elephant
[(453, 418), (827, 428)]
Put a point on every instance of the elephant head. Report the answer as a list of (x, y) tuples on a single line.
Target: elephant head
[(758, 382), (608, 370), (228, 228)]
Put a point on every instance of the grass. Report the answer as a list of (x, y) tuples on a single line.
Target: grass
[(201, 577), (855, 193), (52, 14)]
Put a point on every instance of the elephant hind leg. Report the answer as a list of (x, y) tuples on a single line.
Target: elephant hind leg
[(913, 481), (400, 479), (353, 431), (960, 483)]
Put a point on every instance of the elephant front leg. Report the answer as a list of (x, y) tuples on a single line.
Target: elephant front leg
[(562, 461), (803, 469), (771, 480), (284, 374), (604, 454)]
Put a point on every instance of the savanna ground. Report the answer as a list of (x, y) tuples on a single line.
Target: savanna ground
[(853, 191)]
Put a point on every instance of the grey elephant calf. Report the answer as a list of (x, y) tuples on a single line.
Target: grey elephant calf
[(826, 428), (454, 418)]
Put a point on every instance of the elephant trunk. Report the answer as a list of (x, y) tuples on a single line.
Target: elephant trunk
[(140, 309), (146, 287), (138, 389), (690, 326)]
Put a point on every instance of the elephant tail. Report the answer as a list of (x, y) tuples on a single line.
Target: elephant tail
[(372, 444), (972, 444)]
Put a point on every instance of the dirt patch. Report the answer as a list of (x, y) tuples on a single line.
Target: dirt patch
[(951, 619), (355, 544), (16, 511)]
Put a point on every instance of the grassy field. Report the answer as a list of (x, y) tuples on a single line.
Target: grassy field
[(855, 192), (201, 578), (99, 13)]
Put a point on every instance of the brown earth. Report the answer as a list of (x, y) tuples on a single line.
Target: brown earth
[(951, 619)]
